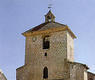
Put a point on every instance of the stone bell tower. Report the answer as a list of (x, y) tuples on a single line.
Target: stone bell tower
[(48, 48)]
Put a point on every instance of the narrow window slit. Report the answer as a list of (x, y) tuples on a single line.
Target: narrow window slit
[(45, 54)]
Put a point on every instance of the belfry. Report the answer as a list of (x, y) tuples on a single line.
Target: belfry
[(49, 53)]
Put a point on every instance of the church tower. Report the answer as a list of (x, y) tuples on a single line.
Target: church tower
[(49, 52)]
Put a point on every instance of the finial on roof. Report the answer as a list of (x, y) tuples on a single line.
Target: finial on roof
[(49, 17)]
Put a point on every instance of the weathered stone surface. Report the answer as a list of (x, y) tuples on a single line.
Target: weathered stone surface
[(91, 76), (2, 76), (35, 61), (60, 55), (78, 71), (61, 50)]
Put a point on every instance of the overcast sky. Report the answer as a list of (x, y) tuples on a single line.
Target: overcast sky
[(17, 16)]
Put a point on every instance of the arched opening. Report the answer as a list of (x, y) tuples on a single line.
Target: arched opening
[(45, 73), (46, 42)]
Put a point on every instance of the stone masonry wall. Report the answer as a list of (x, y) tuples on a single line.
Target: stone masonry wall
[(35, 61), (78, 72), (2, 76), (91, 76), (70, 48)]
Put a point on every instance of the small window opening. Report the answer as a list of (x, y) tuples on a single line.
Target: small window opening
[(45, 73), (49, 18), (45, 54), (46, 42)]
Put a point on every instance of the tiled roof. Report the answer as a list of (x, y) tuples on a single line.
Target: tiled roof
[(45, 26)]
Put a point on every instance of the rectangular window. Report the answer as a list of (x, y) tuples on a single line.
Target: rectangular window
[(46, 42)]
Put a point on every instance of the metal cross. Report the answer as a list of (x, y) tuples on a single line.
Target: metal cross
[(49, 6)]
